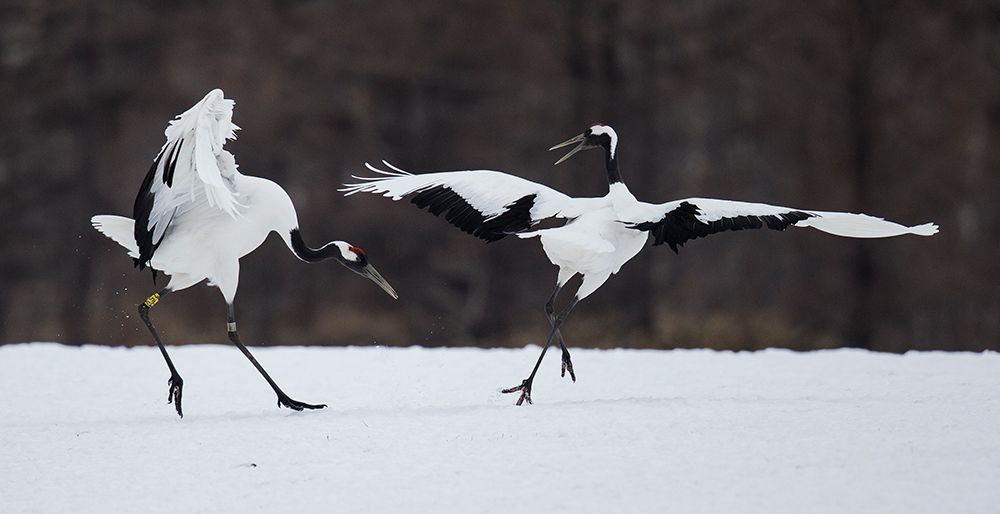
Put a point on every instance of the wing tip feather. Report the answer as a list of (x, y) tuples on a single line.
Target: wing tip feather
[(369, 184), (927, 229)]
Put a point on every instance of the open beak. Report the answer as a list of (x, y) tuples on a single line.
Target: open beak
[(372, 274), (577, 139)]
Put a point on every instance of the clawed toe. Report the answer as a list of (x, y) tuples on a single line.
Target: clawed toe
[(297, 405), (525, 389)]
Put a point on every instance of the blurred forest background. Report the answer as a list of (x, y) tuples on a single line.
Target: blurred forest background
[(886, 107)]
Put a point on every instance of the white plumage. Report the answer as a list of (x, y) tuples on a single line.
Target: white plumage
[(602, 234), (489, 192), (202, 170), (196, 215), (120, 229), (837, 223)]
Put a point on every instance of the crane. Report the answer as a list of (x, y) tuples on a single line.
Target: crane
[(600, 234), (195, 216)]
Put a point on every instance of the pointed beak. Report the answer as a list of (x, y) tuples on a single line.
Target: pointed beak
[(372, 274), (577, 139)]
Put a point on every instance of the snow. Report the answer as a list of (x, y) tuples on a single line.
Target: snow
[(415, 430)]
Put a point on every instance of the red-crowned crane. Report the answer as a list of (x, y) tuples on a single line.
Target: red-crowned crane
[(602, 234), (195, 216)]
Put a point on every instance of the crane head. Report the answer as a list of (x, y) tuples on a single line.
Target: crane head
[(356, 260), (598, 135)]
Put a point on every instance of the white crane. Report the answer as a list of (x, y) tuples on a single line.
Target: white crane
[(602, 234), (196, 216)]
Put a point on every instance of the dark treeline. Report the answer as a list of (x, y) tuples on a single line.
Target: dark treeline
[(890, 108)]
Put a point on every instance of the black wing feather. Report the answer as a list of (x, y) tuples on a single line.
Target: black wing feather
[(143, 207), (515, 218), (168, 171), (681, 224)]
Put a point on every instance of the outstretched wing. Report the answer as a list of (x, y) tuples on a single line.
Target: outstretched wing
[(677, 222), (192, 170), (487, 204)]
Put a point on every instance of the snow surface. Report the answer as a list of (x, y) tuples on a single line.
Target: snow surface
[(425, 430)]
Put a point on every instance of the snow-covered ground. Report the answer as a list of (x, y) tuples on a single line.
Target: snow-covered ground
[(418, 430)]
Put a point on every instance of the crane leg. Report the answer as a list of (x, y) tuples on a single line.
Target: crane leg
[(525, 386), (283, 399), (175, 383), (567, 363)]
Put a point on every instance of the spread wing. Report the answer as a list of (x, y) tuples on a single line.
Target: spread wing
[(191, 172), (677, 222), (487, 204)]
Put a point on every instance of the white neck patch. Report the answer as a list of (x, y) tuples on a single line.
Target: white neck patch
[(345, 251), (605, 129)]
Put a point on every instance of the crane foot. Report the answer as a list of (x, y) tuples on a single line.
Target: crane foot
[(525, 389), (285, 401), (567, 365), (176, 387)]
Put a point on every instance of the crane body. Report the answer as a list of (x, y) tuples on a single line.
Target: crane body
[(600, 234), (196, 215)]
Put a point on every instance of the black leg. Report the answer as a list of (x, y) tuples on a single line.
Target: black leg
[(175, 383), (283, 399), (525, 386), (567, 363)]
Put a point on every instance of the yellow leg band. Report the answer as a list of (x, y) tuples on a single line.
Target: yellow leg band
[(151, 301), (231, 326)]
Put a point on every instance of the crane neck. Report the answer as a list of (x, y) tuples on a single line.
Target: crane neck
[(308, 254), (614, 176)]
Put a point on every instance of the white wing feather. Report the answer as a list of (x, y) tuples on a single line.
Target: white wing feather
[(489, 192), (119, 229), (862, 225), (195, 141), (838, 223)]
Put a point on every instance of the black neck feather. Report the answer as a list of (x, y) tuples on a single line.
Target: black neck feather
[(304, 252), (614, 176)]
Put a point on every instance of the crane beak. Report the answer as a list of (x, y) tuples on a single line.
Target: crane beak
[(369, 272), (577, 139)]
